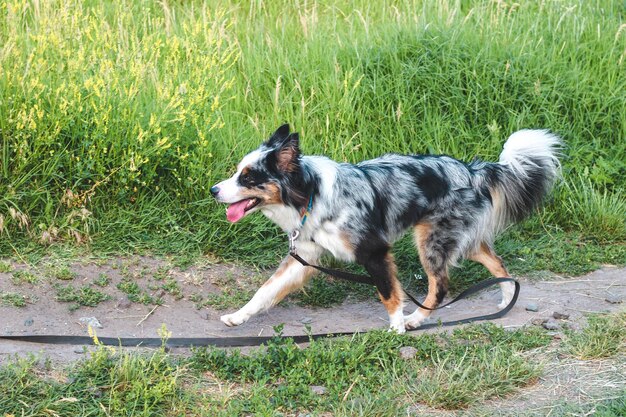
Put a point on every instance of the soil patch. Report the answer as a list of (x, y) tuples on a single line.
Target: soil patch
[(179, 299)]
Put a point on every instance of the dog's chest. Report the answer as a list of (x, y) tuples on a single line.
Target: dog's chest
[(330, 237)]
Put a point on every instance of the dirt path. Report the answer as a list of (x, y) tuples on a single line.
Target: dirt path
[(564, 380), (121, 318)]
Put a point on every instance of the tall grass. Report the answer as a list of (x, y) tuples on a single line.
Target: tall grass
[(116, 117)]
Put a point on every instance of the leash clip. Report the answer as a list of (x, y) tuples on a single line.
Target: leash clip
[(292, 241)]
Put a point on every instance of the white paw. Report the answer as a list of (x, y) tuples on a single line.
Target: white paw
[(414, 320), (398, 329), (396, 322), (508, 290), (234, 319)]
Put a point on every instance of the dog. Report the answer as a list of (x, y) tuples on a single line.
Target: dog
[(356, 212)]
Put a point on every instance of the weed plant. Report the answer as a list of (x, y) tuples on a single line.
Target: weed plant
[(117, 117)]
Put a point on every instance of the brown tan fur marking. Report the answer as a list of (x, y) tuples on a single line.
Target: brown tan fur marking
[(486, 256), (270, 194), (436, 279), (294, 285), (396, 298)]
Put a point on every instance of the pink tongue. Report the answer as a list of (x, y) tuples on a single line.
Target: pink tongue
[(235, 211)]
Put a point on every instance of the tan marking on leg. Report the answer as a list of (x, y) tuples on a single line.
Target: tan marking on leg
[(396, 299), (486, 256), (284, 265), (287, 287), (294, 285), (421, 233)]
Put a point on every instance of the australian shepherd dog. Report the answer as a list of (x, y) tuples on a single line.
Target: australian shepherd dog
[(356, 212)]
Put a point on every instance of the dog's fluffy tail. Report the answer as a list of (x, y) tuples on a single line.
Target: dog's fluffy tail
[(525, 174)]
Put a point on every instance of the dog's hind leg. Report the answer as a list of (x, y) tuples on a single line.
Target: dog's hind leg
[(381, 266), (434, 252), (488, 258), (290, 276)]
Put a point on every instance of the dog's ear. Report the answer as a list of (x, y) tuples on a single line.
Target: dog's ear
[(278, 137), (286, 157)]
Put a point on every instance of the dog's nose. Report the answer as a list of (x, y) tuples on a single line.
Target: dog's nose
[(215, 190)]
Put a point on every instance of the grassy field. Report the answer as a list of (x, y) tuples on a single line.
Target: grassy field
[(116, 117)]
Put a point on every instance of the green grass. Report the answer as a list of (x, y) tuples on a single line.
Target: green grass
[(172, 287), (103, 280), (115, 118), (5, 267), (228, 298), (83, 296), (602, 337), (61, 272), (363, 375), (135, 293), (21, 277), (614, 407), (467, 369), (13, 299)]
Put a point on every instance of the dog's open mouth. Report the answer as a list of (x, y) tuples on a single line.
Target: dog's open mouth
[(237, 210)]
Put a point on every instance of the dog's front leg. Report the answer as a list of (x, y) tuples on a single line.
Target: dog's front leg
[(290, 276)]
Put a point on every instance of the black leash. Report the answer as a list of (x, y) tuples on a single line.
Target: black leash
[(366, 279), (173, 342), (239, 341)]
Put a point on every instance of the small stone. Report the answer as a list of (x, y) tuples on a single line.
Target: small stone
[(29, 322), (560, 316), (532, 307), (306, 320), (318, 389), (551, 325), (538, 321), (80, 350), (407, 352), (613, 299), (91, 321), (124, 303)]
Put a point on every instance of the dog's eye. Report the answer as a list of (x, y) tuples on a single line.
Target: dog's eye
[(252, 178), (246, 179)]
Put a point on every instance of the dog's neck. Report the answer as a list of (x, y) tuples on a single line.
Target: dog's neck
[(286, 217)]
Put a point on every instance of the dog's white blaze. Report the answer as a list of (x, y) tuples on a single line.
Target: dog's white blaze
[(249, 159), (230, 191)]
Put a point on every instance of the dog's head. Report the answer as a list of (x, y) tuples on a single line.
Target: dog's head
[(270, 175)]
